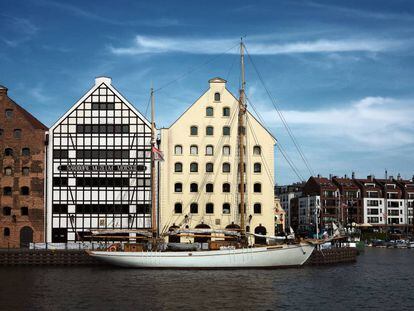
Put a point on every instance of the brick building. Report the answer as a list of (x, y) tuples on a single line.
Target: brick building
[(350, 207), (22, 161)]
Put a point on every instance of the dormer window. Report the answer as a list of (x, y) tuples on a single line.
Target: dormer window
[(217, 97)]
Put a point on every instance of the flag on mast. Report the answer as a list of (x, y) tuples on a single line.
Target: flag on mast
[(158, 155)]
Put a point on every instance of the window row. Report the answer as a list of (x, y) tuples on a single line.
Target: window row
[(24, 211), (209, 130), (209, 208), (210, 112), (8, 171), (178, 187), (17, 133), (10, 152), (178, 167), (9, 191), (178, 150), (102, 129)]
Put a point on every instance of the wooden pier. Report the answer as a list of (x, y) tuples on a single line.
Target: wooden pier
[(332, 256)]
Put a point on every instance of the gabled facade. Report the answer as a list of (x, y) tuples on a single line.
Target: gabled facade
[(98, 174), (199, 177), (407, 186), (351, 209), (22, 164), (372, 201), (395, 212)]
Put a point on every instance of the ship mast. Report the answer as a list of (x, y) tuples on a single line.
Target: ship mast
[(153, 185), (241, 139)]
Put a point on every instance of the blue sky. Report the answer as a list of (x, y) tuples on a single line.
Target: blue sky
[(341, 72)]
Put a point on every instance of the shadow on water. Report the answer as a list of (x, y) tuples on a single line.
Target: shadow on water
[(380, 279)]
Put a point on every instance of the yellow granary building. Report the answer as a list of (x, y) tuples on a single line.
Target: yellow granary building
[(199, 180)]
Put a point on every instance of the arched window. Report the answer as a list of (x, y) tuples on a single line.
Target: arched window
[(209, 130), (226, 112), (178, 149), (257, 208), (24, 191), (24, 211), (193, 150), (226, 150), (7, 191), (209, 187), (178, 167), (193, 187), (9, 113), (209, 208), (17, 133), (8, 152), (6, 231), (25, 151), (209, 150), (226, 208), (194, 208), (226, 130), (257, 187), (8, 171), (262, 231), (226, 167), (217, 97), (7, 211), (194, 130), (194, 167), (178, 208), (226, 187), (178, 187), (209, 167), (257, 150), (209, 111), (257, 168), (25, 171)]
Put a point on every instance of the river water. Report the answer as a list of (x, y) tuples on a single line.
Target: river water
[(380, 279)]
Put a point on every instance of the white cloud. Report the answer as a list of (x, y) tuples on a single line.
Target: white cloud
[(257, 45), (374, 123)]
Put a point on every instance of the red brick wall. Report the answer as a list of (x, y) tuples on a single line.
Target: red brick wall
[(33, 135)]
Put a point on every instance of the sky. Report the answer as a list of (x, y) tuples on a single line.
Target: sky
[(340, 72)]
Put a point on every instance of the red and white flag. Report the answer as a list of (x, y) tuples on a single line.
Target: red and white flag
[(158, 156)]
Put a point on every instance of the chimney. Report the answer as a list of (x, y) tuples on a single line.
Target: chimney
[(370, 177), (345, 176), (399, 176), (3, 92), (353, 175), (319, 176), (100, 80), (330, 176)]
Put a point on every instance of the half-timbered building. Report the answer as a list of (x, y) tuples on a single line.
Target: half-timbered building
[(98, 174)]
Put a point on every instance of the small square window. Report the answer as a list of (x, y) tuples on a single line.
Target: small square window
[(25, 171), (209, 130), (8, 171)]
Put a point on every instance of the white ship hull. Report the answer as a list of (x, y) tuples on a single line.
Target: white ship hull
[(258, 257)]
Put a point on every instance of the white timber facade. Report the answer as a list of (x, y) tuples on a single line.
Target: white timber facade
[(98, 167)]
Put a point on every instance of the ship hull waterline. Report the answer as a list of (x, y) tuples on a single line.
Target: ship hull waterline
[(257, 257)]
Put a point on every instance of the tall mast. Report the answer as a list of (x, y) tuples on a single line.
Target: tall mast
[(153, 185), (241, 135)]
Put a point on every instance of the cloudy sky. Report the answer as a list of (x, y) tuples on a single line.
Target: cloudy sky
[(341, 72)]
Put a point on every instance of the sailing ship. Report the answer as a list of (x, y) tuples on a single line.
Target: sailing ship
[(230, 249)]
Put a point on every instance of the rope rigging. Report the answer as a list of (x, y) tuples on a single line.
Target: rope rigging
[(281, 116)]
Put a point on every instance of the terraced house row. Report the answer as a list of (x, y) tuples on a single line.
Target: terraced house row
[(376, 202), (91, 169)]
